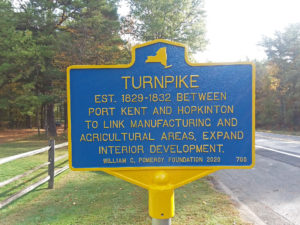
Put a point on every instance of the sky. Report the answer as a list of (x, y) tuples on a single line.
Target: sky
[(235, 27)]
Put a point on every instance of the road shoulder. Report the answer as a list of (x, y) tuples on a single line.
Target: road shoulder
[(245, 212)]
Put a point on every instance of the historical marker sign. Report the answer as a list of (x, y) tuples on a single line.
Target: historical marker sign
[(161, 111)]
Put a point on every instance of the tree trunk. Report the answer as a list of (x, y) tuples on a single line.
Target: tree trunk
[(51, 121), (45, 120), (65, 115), (28, 122), (37, 117), (11, 123), (42, 117), (282, 112)]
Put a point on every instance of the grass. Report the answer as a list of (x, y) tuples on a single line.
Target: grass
[(27, 144), (97, 198)]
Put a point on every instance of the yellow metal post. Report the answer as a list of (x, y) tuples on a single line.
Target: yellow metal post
[(161, 204), (161, 199)]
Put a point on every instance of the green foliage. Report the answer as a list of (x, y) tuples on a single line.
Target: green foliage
[(176, 20), (17, 51), (91, 36), (39, 40), (278, 89)]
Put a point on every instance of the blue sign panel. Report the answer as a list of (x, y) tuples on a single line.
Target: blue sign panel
[(161, 111)]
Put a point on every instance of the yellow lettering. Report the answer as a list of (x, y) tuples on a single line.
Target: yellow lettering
[(147, 80), (182, 81), (126, 84), (97, 99), (192, 81)]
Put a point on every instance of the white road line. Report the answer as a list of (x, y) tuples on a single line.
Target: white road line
[(273, 150), (280, 139)]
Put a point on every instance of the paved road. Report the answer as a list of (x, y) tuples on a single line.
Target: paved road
[(272, 188)]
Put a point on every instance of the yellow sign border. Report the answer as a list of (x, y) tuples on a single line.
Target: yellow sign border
[(111, 170)]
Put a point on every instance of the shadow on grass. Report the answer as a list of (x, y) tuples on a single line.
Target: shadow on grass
[(7, 192)]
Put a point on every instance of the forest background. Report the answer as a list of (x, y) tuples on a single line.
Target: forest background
[(39, 39)]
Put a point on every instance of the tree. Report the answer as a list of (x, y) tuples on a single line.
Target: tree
[(283, 51), (62, 33), (267, 105), (176, 20), (41, 19), (17, 51), (92, 37)]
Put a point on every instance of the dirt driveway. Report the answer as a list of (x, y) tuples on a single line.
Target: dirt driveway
[(7, 135)]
